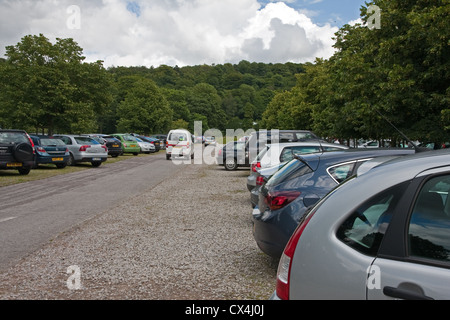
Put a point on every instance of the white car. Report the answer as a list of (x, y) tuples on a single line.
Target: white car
[(274, 154), (146, 147), (180, 143)]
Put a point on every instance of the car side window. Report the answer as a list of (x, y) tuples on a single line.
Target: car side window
[(341, 172), (66, 140), (429, 227), (364, 229)]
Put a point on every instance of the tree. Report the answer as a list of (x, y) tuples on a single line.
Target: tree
[(47, 86), (144, 110)]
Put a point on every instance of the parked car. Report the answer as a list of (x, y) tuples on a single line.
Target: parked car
[(154, 141), (113, 144), (274, 154), (146, 147), (162, 139), (301, 183), (210, 141), (258, 140), (16, 151), (129, 143), (50, 150), (84, 149), (180, 143), (233, 155), (381, 235)]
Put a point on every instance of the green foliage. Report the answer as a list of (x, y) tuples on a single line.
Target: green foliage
[(48, 87)]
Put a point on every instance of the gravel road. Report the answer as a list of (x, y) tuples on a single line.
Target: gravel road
[(189, 237)]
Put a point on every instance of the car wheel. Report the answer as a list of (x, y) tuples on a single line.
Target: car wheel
[(167, 157), (24, 171), (96, 164), (230, 164), (114, 155), (61, 165), (71, 161), (136, 153)]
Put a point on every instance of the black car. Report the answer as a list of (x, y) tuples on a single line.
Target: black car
[(302, 182), (16, 151), (114, 145), (162, 138), (233, 155)]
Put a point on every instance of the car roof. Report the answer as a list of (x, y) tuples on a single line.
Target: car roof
[(314, 142)]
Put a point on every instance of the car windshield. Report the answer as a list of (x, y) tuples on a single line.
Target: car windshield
[(291, 170), (52, 142), (12, 137), (86, 141)]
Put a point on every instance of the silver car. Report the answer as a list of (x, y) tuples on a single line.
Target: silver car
[(382, 235), (84, 149)]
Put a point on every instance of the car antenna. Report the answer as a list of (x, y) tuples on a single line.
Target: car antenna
[(418, 149)]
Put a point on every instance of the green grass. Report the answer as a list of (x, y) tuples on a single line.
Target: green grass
[(10, 177)]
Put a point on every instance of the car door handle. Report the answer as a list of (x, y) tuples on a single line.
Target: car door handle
[(404, 294)]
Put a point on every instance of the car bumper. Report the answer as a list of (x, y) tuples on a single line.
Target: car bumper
[(251, 182), (16, 165), (272, 230), (52, 159)]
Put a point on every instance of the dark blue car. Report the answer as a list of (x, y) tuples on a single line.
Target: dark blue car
[(50, 150), (302, 182)]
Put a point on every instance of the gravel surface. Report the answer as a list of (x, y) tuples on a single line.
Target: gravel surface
[(190, 237)]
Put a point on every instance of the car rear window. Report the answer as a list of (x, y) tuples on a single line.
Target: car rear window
[(291, 170), (12, 137), (52, 142), (85, 140), (175, 136)]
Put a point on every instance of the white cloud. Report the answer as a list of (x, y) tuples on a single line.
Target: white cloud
[(173, 32)]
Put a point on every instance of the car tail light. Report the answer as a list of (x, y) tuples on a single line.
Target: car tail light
[(40, 149), (259, 180), (84, 148), (32, 143), (106, 148), (255, 166), (278, 199), (285, 264), (220, 152)]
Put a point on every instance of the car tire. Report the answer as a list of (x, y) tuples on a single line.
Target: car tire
[(23, 152), (167, 157), (71, 161), (96, 164), (61, 165), (230, 164), (24, 171)]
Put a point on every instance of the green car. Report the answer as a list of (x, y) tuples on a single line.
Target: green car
[(129, 143)]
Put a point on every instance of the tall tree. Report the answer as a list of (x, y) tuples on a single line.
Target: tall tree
[(48, 86)]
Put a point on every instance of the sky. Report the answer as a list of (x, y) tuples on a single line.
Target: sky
[(183, 32)]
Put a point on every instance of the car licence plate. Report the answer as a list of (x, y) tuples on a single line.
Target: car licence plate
[(57, 159), (96, 159), (115, 145), (133, 146), (13, 165)]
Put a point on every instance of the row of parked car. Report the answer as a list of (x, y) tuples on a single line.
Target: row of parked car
[(21, 151), (360, 223)]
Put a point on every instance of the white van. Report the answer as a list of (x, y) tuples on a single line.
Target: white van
[(179, 143)]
